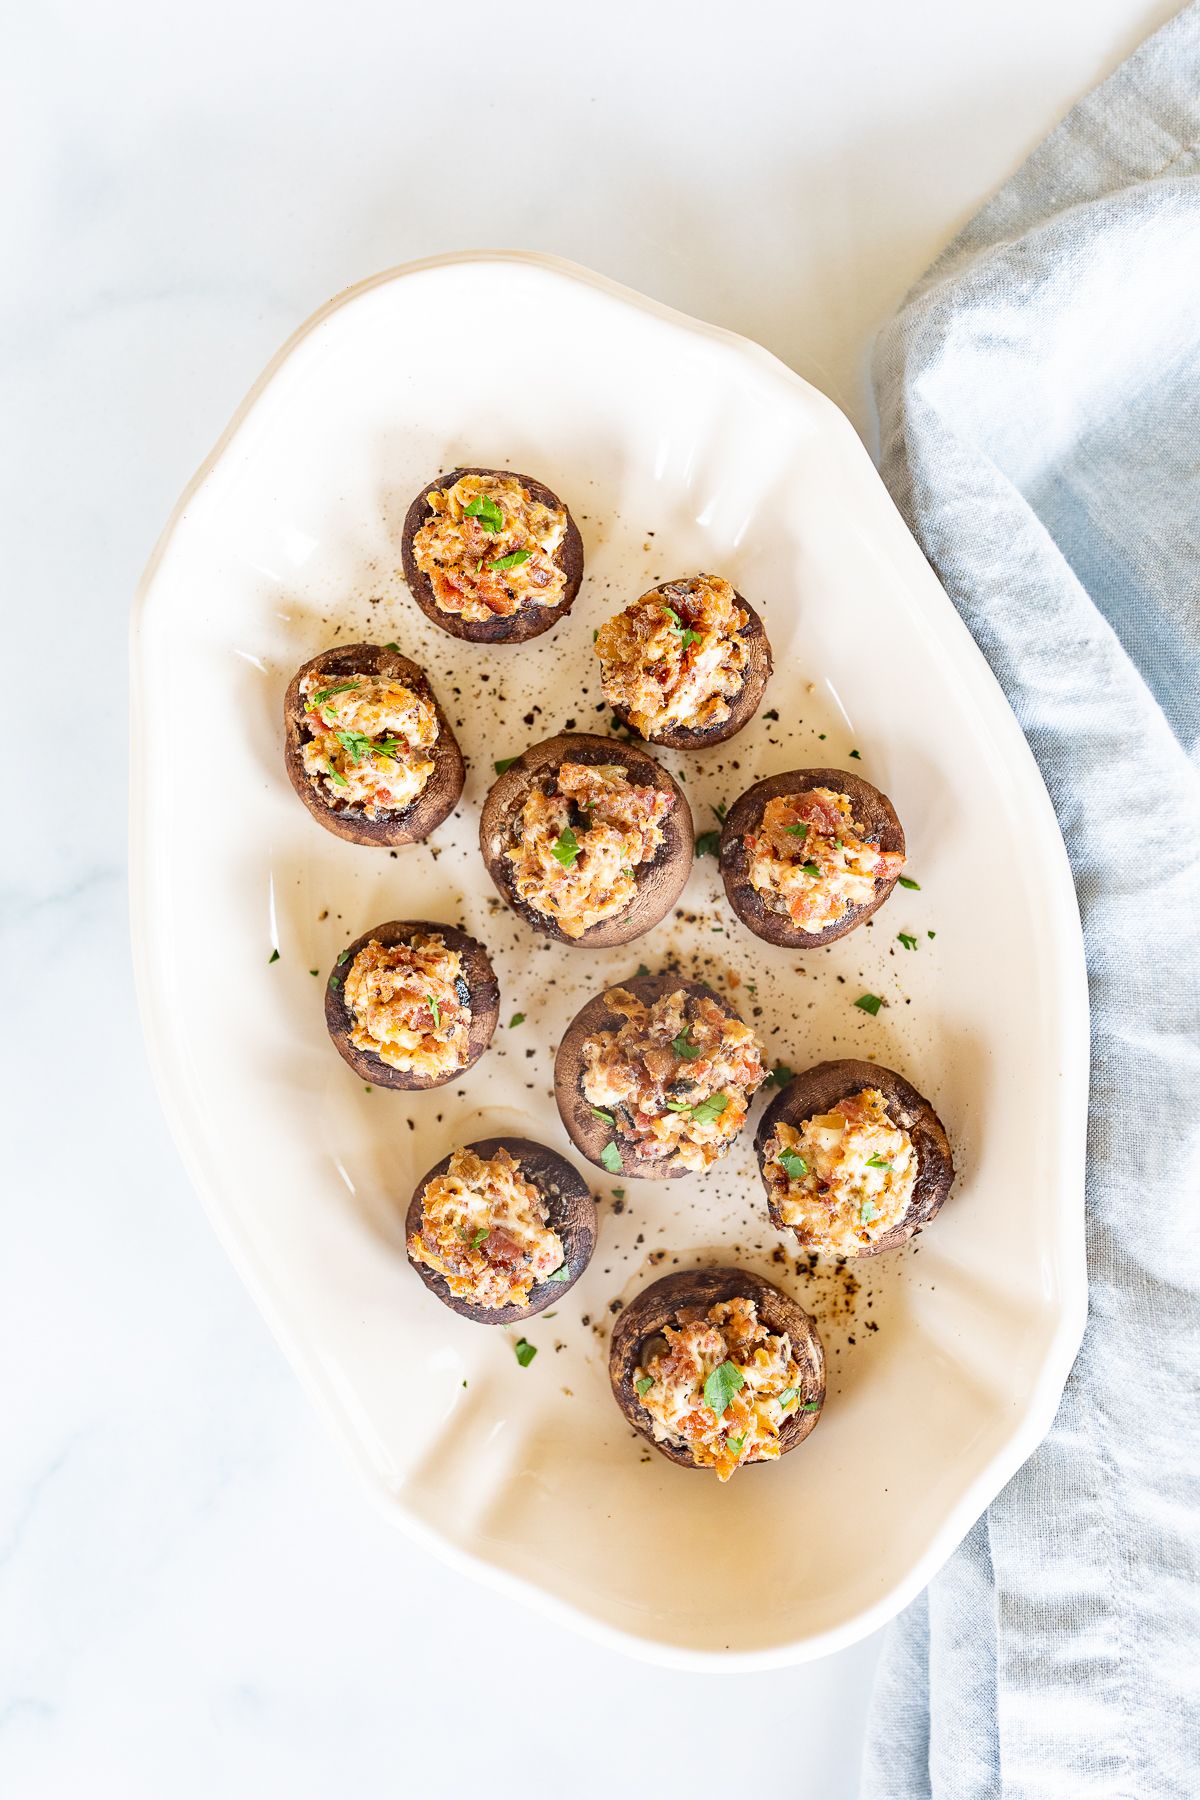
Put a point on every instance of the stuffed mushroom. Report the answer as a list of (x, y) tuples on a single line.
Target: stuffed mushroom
[(587, 838), (808, 855), (412, 1003), (368, 748), (500, 1229), (654, 1077), (718, 1369), (853, 1158), (685, 665), (491, 555)]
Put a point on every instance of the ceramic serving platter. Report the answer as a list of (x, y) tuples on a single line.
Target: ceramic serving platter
[(678, 448)]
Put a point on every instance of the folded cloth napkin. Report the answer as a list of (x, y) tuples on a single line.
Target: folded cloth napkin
[(1039, 397)]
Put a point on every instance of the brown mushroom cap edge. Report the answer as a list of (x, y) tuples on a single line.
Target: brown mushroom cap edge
[(818, 1089), (572, 1213), (659, 882), (873, 813), (660, 1304), (441, 792), (480, 978), (588, 1133), (528, 621), (744, 703)]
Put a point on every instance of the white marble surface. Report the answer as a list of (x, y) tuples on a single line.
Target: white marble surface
[(194, 1596)]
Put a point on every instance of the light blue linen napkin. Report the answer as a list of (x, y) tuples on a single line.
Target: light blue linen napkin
[(1040, 406)]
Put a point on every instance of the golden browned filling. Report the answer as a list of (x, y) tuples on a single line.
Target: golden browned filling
[(489, 547), (578, 848), (721, 1385), (675, 1079), (484, 1227), (371, 740), (411, 1004), (808, 858), (675, 657), (845, 1177)]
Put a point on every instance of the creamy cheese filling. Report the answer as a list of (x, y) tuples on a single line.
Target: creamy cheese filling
[(485, 1228), (808, 858), (675, 1079), (843, 1178), (721, 1385), (371, 740), (411, 1004), (676, 656), (488, 548), (578, 847)]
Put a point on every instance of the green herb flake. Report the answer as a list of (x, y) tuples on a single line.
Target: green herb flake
[(722, 1385), (474, 1238), (436, 1010), (867, 1211), (721, 809), (525, 1352), (707, 1110), (811, 1406), (684, 1048), (517, 1019), (856, 755), (821, 735), (869, 1003), (601, 1114), (878, 1162), (708, 843), (399, 652), (340, 779), (735, 1444), (810, 868), (781, 1076), (506, 762), (797, 831), (314, 971), (343, 687), (788, 1395), (343, 958), (793, 1164), (931, 934), (511, 560), (644, 1385), (908, 882), (610, 1156), (562, 1273), (618, 1193), (565, 848), (484, 508), (642, 969), (274, 957), (335, 981), (907, 939)]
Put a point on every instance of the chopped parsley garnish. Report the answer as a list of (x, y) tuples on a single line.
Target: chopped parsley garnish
[(274, 957), (686, 634), (908, 882), (618, 1193), (340, 779), (610, 1156), (506, 762), (855, 754), (484, 508), (565, 848), (562, 1273), (735, 1444), (788, 1395), (684, 1048), (721, 809), (644, 1385), (335, 981), (878, 1162), (356, 744), (314, 971), (474, 1238), (708, 843), (931, 934), (344, 957), (436, 1010), (517, 1019), (793, 1164), (869, 1003), (811, 1406), (601, 1114), (722, 1385), (907, 939), (867, 1211), (781, 1076), (800, 831), (343, 687), (511, 560), (810, 868), (525, 1352), (704, 1111), (398, 651), (642, 969)]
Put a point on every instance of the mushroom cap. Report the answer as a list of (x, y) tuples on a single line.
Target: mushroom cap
[(744, 703), (818, 1089), (873, 812), (660, 1304), (572, 1213), (478, 973), (441, 792), (588, 1133), (528, 621), (659, 882)]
